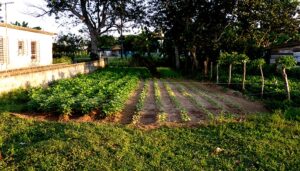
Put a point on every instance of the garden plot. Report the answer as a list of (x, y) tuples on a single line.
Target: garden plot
[(130, 96), (184, 101)]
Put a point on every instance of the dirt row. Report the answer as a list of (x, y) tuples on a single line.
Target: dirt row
[(198, 100)]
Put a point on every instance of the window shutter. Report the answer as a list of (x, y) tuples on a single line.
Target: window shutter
[(38, 51), (3, 50)]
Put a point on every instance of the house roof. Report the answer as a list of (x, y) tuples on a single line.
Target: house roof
[(26, 29), (116, 48)]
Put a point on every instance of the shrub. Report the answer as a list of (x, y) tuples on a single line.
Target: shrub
[(63, 59)]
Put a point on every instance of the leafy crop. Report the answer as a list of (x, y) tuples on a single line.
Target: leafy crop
[(105, 90), (140, 104), (162, 116)]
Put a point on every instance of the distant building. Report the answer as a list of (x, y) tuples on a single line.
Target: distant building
[(114, 51), (292, 48), (24, 47)]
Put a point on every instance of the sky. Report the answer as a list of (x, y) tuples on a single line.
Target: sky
[(20, 11)]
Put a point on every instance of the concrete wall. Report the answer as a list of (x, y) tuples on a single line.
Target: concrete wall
[(14, 60), (35, 76)]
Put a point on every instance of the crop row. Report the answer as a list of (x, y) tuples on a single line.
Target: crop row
[(140, 104), (103, 90), (192, 99), (161, 116), (183, 112)]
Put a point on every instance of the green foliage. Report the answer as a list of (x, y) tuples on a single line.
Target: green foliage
[(85, 93), (119, 62), (63, 59), (261, 142), (165, 72), (258, 62), (243, 58), (292, 114), (161, 116), (140, 105), (229, 58), (183, 112), (286, 61)]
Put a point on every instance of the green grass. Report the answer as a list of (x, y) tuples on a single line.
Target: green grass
[(262, 142)]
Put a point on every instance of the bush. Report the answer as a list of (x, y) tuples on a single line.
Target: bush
[(165, 72), (63, 59), (292, 114), (294, 72)]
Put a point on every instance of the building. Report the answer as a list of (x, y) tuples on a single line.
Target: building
[(24, 47), (292, 48)]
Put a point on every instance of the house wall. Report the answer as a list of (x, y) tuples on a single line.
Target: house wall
[(14, 60), (36, 76), (293, 51)]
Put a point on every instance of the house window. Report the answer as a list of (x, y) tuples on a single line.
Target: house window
[(33, 50), (2, 57), (21, 48)]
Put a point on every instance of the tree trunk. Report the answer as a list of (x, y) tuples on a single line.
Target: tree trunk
[(244, 75), (94, 44), (211, 70), (286, 82), (229, 77), (217, 73), (205, 68), (194, 58), (262, 81), (177, 61)]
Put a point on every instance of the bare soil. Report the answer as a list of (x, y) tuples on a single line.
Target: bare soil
[(168, 106), (130, 107), (149, 112)]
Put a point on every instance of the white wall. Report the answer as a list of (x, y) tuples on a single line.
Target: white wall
[(14, 61), (36, 76)]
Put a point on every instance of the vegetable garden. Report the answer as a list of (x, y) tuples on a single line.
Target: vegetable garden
[(103, 94)]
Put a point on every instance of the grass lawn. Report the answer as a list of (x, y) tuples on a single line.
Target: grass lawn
[(261, 142)]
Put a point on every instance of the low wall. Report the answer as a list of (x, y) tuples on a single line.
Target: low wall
[(35, 76)]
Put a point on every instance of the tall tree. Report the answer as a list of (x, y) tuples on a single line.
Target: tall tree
[(99, 16)]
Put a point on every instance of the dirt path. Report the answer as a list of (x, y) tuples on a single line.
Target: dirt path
[(169, 107), (149, 112), (130, 106)]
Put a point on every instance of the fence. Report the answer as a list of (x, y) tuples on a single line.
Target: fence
[(35, 76)]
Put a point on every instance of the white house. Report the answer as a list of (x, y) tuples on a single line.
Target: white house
[(292, 48), (24, 47)]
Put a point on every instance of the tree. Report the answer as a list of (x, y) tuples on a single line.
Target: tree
[(69, 44), (244, 59), (286, 62), (106, 41), (260, 24), (259, 63), (23, 24), (229, 59), (98, 16)]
